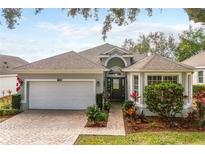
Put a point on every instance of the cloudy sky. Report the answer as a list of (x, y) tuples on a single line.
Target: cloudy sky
[(52, 32)]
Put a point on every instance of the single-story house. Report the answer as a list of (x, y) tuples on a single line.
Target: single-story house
[(197, 61), (8, 76), (72, 80)]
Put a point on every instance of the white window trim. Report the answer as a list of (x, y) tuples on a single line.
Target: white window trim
[(163, 74), (116, 56), (132, 84), (198, 76), (189, 104), (116, 48), (25, 99)]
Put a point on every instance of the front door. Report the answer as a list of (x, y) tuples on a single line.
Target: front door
[(116, 89)]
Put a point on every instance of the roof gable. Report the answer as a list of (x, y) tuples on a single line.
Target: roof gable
[(116, 50), (196, 60), (158, 63)]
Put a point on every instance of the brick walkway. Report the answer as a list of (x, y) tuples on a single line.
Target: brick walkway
[(55, 127)]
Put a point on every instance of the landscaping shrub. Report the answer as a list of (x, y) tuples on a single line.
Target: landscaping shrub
[(127, 105), (6, 112), (94, 114), (99, 100), (165, 99), (103, 116), (200, 103), (107, 105), (16, 101), (129, 108), (198, 88), (6, 106)]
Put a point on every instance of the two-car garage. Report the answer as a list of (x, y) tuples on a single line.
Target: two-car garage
[(66, 94)]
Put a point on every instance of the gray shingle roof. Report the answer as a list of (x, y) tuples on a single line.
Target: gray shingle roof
[(8, 63), (196, 60), (93, 53), (66, 61), (157, 62)]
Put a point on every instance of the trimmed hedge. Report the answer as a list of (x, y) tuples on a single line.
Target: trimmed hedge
[(198, 87), (6, 112), (99, 100), (16, 101), (165, 99)]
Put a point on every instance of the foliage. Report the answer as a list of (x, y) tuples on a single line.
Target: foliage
[(165, 99), (6, 112), (107, 105), (127, 104), (16, 101), (200, 101), (94, 114), (103, 116), (144, 138), (154, 42), (192, 116), (118, 16), (196, 14), (134, 95), (129, 108), (197, 88), (99, 100), (6, 106), (192, 41)]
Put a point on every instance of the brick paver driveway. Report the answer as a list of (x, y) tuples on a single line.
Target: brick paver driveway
[(55, 127), (42, 127)]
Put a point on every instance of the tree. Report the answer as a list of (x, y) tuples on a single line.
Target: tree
[(191, 42), (154, 42), (196, 14), (119, 16)]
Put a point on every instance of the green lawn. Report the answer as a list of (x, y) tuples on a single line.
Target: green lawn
[(144, 138)]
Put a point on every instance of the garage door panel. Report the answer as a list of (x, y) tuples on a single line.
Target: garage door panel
[(61, 95)]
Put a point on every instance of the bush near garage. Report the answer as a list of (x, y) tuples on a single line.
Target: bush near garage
[(16, 101)]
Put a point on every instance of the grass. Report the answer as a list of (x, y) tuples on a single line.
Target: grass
[(145, 138)]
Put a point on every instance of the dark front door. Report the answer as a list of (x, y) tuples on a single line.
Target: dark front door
[(116, 89)]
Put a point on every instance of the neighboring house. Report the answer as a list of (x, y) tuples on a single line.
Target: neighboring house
[(197, 61), (8, 77), (72, 80)]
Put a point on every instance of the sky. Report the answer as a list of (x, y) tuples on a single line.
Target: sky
[(51, 32)]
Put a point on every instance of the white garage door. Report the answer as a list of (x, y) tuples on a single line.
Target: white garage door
[(61, 95)]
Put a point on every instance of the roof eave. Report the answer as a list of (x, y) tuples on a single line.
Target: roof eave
[(50, 71), (139, 70)]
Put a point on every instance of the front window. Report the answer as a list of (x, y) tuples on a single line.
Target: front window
[(200, 76), (136, 83), (154, 79)]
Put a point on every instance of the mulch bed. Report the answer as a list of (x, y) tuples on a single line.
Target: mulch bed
[(154, 124), (98, 124)]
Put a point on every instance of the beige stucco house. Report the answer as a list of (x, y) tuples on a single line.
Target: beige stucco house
[(72, 80)]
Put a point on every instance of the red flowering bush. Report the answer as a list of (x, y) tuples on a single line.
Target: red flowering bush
[(200, 102), (134, 95)]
